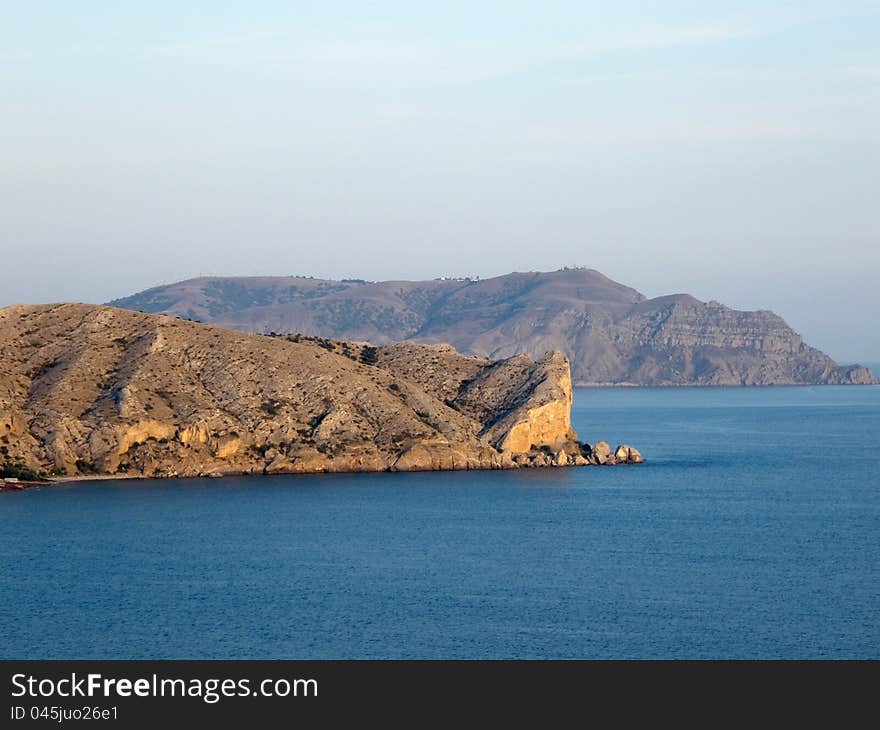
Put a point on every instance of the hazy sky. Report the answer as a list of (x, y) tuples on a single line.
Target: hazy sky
[(729, 150)]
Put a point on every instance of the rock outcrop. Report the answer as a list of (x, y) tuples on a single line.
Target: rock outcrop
[(610, 332), (91, 390)]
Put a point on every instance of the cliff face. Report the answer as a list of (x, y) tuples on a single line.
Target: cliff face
[(610, 332), (679, 340), (97, 390)]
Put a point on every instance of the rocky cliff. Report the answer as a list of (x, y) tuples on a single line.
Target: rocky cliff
[(97, 390), (610, 332)]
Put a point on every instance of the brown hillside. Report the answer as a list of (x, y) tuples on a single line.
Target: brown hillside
[(90, 389)]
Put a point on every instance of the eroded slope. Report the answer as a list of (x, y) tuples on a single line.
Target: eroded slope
[(89, 389)]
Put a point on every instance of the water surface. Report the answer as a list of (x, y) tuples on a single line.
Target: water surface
[(752, 531)]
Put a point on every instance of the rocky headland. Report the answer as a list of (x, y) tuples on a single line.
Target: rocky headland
[(90, 391)]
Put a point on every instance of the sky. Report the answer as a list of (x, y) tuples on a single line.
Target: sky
[(727, 150)]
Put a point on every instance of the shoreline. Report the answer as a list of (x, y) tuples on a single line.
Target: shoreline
[(20, 486), (54, 481), (77, 479)]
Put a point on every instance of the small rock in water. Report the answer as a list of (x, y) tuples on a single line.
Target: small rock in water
[(601, 453), (627, 455)]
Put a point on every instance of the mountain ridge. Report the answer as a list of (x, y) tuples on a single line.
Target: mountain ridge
[(612, 334)]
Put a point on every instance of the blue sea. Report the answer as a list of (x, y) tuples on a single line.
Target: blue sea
[(752, 531)]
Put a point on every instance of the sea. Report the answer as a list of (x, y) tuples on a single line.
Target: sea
[(752, 531)]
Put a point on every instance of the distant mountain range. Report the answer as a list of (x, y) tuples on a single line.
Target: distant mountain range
[(611, 333)]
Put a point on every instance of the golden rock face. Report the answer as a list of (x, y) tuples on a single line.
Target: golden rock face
[(549, 425), (543, 418), (144, 431), (195, 434)]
